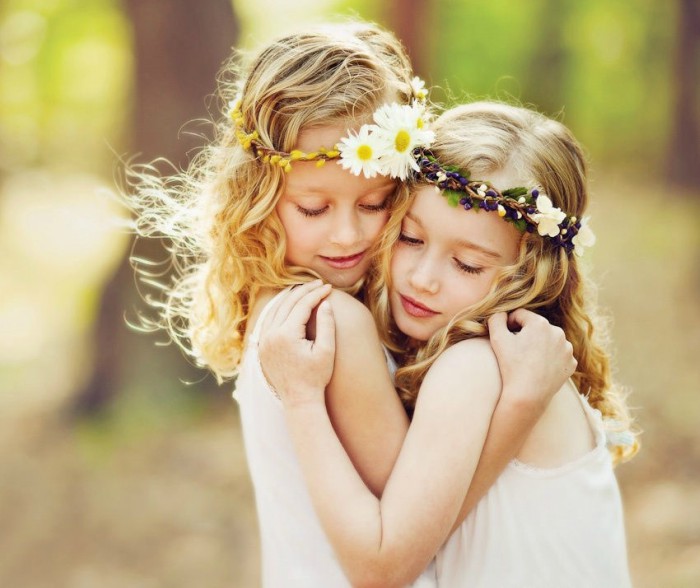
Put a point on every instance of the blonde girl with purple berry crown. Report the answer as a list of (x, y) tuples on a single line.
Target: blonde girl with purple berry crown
[(293, 189), (496, 223)]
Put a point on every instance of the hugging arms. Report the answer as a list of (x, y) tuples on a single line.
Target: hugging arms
[(468, 425)]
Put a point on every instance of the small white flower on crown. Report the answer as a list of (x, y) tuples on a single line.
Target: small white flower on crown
[(547, 216), (584, 238)]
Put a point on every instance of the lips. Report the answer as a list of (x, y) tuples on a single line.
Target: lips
[(415, 308), (346, 262)]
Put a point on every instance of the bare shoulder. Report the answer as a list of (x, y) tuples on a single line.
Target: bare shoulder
[(467, 365), (261, 301), (467, 355), (346, 305), (349, 313)]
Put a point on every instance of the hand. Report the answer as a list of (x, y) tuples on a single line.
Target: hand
[(535, 361), (297, 368)]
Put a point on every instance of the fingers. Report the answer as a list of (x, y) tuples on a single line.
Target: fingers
[(325, 328), (520, 318), (300, 313), (497, 326), (282, 310)]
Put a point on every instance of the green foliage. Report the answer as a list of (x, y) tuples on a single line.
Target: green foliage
[(601, 65), (453, 197), (515, 192), (64, 81)]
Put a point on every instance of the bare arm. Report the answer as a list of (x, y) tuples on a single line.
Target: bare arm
[(534, 362), (389, 541), (363, 406)]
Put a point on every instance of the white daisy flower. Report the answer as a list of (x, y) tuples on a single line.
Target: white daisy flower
[(584, 238), (418, 88), (401, 130), (547, 217), (360, 152)]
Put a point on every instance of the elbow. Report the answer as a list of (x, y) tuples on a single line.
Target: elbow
[(378, 576)]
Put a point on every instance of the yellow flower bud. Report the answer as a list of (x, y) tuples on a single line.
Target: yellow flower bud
[(274, 160), (320, 163), (296, 155), (288, 168)]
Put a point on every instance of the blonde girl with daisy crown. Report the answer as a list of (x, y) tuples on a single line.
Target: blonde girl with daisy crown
[(299, 185), (455, 258)]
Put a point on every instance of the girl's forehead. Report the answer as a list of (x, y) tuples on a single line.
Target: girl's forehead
[(313, 138), (331, 180), (456, 227)]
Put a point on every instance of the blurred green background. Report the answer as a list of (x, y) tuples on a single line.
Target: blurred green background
[(120, 464)]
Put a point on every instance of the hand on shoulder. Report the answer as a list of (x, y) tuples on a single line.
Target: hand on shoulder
[(298, 367), (535, 359)]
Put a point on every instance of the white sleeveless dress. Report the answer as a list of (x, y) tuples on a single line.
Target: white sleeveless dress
[(544, 528), (295, 551)]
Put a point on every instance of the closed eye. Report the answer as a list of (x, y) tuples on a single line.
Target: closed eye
[(470, 269), (404, 238), (311, 211), (376, 207)]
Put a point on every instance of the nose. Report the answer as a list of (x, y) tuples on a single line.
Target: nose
[(423, 276), (347, 230)]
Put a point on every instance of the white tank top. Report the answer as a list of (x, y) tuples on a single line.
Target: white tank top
[(544, 528), (295, 551)]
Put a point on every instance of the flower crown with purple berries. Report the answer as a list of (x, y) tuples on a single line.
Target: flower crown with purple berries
[(528, 209)]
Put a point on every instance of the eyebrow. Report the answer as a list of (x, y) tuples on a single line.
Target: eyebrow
[(462, 243)]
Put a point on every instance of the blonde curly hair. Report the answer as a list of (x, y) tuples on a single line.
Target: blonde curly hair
[(225, 238), (483, 138)]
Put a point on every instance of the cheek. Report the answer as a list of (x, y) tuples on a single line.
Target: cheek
[(399, 263), (374, 225)]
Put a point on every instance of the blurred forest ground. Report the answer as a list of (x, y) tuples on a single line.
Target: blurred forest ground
[(154, 491)]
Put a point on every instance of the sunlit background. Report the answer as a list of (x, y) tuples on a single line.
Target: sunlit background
[(120, 464)]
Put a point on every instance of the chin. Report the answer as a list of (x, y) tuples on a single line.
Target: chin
[(413, 330), (342, 280)]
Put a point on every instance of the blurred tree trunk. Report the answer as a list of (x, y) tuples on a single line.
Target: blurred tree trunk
[(179, 47), (683, 166), (408, 20), (547, 70)]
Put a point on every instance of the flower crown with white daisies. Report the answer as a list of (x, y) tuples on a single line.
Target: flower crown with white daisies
[(397, 145), (385, 147)]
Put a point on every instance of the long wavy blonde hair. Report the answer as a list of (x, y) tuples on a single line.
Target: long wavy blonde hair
[(225, 238), (483, 138)]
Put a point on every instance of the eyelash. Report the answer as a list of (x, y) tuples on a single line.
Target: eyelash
[(469, 269), (411, 241), (366, 207), (311, 212), (376, 207)]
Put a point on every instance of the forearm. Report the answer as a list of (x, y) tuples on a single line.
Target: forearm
[(512, 421), (349, 513)]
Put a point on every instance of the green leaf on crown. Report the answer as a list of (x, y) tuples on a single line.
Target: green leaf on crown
[(515, 192), (520, 224), (453, 197)]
